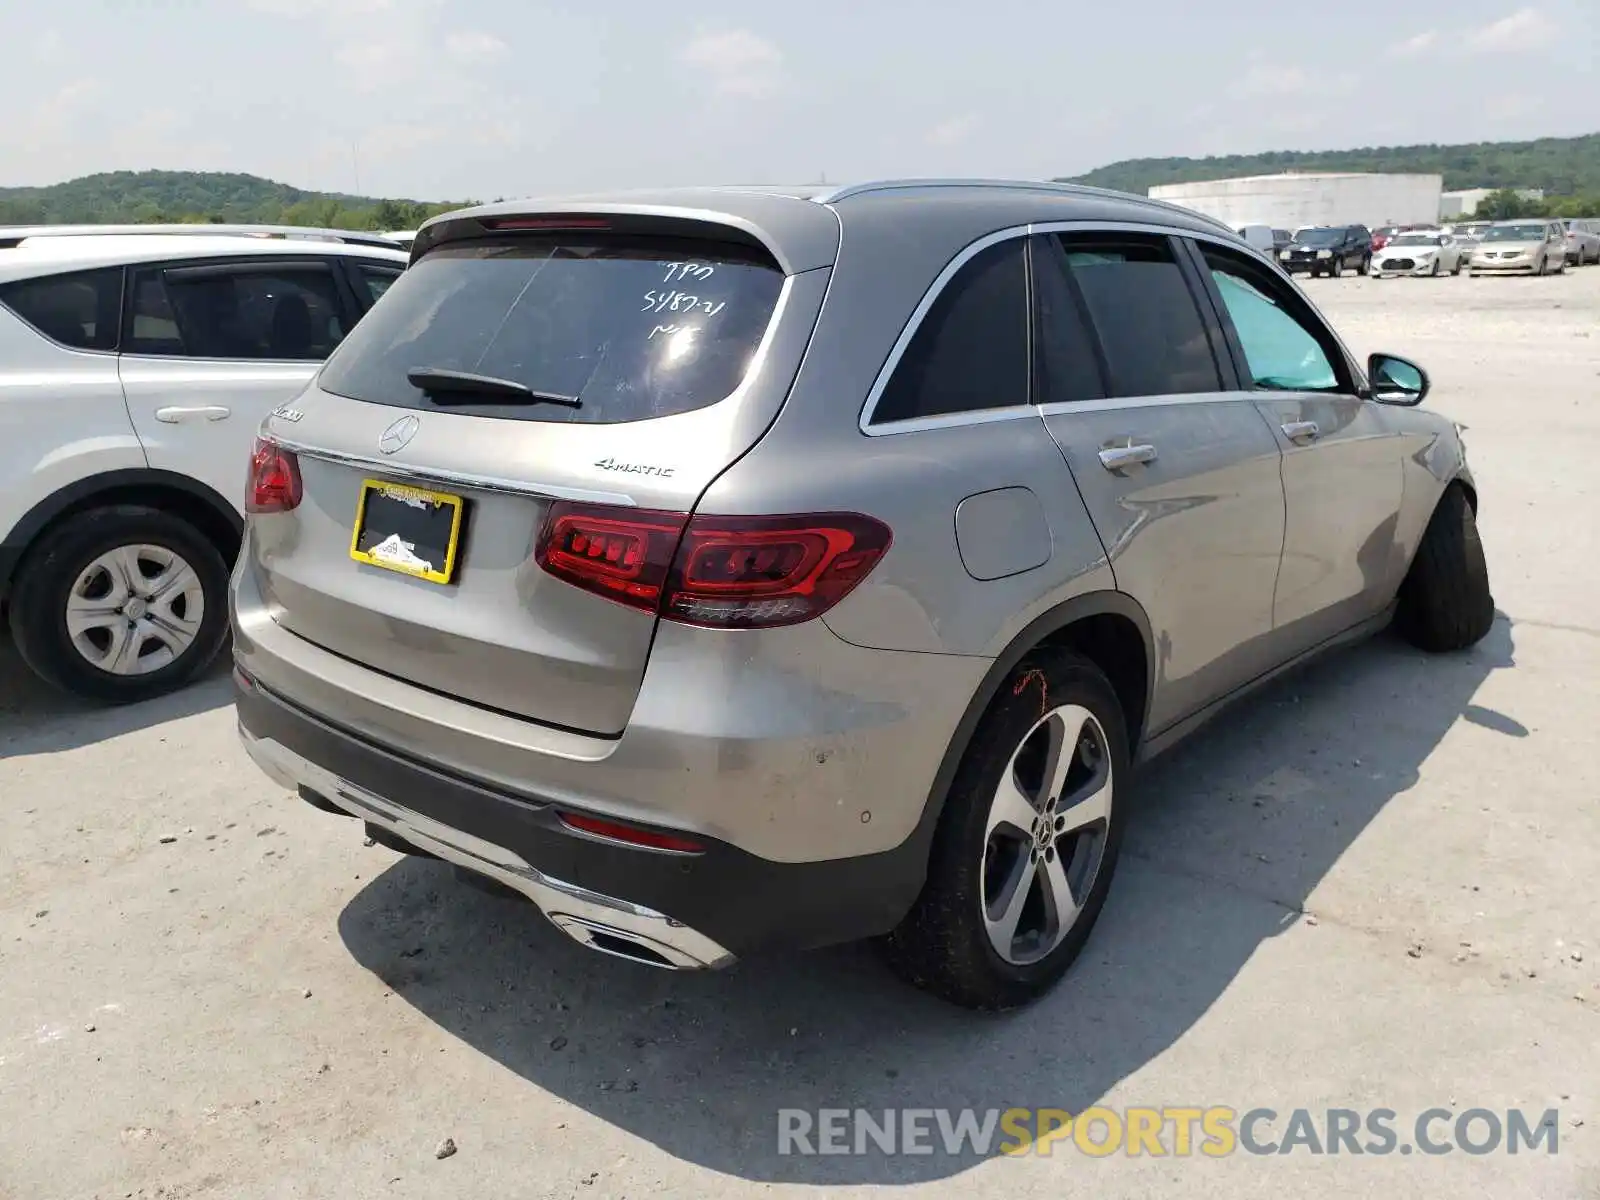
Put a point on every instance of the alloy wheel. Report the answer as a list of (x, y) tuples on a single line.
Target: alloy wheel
[(1046, 834), (135, 609)]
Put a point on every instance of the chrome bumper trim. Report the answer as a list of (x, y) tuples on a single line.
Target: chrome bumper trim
[(579, 913)]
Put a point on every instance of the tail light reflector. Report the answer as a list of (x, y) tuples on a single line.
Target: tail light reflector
[(634, 836), (718, 572), (274, 485)]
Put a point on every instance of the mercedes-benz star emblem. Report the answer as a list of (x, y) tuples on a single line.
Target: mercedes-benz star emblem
[(398, 435)]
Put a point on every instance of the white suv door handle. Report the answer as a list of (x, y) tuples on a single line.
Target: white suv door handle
[(210, 412), (1116, 458), (1301, 432)]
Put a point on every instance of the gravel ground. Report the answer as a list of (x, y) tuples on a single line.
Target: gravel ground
[(1375, 885)]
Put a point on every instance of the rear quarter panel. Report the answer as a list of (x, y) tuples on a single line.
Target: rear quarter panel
[(62, 419)]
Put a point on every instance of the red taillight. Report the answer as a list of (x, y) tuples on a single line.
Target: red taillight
[(622, 554), (274, 485), (648, 838), (719, 572)]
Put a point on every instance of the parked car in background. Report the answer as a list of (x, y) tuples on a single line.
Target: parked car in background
[(1537, 247), (134, 371), (685, 642), (1328, 250), (1424, 252), (1381, 235), (402, 237), (1467, 234), (1282, 239), (1583, 240)]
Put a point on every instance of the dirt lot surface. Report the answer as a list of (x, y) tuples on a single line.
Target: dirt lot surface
[(1376, 885)]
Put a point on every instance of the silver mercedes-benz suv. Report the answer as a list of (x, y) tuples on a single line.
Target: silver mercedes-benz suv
[(737, 569)]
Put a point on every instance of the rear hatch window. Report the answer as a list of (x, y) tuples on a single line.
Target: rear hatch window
[(598, 329)]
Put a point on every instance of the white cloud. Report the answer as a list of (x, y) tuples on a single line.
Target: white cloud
[(1414, 46), (1512, 106), (737, 62), (955, 130), (470, 45), (327, 9), (1525, 29), (1272, 79)]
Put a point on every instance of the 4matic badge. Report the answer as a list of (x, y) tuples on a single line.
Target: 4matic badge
[(623, 468)]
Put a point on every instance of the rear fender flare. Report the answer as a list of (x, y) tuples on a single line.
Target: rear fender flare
[(113, 487), (1053, 621)]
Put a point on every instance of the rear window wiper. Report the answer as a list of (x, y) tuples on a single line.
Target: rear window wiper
[(447, 386)]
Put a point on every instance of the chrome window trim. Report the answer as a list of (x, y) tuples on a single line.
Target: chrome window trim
[(982, 416), (1118, 403), (458, 479)]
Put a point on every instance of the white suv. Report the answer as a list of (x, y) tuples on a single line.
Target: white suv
[(134, 371)]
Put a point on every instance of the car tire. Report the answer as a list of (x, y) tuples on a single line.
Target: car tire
[(1336, 268), (82, 573), (1435, 272), (1445, 602), (1365, 267), (1456, 270), (949, 943)]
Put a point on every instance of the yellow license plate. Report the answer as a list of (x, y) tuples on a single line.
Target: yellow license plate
[(407, 529)]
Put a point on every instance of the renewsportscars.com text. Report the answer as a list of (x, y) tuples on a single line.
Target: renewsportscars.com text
[(1169, 1131)]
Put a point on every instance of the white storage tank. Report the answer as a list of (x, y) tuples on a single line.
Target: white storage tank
[(1292, 200)]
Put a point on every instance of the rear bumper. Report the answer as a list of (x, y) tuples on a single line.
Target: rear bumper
[(681, 911)]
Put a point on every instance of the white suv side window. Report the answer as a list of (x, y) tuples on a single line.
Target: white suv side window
[(255, 310), (79, 309)]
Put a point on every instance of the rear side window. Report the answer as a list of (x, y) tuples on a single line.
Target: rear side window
[(633, 328), (1150, 329), (375, 280), (971, 350), (282, 311), (80, 309)]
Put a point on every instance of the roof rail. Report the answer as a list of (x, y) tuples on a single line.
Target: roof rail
[(280, 232), (1035, 185)]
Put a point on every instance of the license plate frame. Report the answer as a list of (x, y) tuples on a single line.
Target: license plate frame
[(409, 494)]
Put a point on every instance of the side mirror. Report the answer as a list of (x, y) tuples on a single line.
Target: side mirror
[(1395, 380)]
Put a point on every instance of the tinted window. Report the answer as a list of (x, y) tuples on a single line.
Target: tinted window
[(634, 328), (1145, 315), (80, 309), (1283, 353), (1068, 362), (971, 350), (236, 310), (1319, 237), (376, 279)]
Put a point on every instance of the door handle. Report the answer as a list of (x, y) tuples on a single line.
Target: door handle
[(1300, 432), (172, 414), (1117, 458)]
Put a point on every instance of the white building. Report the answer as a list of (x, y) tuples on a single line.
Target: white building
[(1465, 203), (1295, 199)]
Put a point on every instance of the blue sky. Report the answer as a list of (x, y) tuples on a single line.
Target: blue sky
[(448, 99)]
